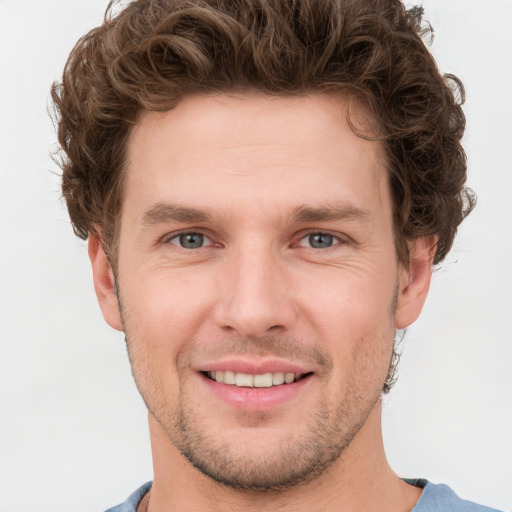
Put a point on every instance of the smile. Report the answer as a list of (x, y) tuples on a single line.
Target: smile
[(263, 380)]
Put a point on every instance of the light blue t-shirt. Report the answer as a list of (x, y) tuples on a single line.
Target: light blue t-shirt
[(434, 498)]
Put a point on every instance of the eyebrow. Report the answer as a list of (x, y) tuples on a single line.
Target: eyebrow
[(160, 213), (343, 212)]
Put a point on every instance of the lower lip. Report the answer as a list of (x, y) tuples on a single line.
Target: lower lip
[(256, 399)]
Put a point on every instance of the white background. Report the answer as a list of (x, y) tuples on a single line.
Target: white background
[(73, 434)]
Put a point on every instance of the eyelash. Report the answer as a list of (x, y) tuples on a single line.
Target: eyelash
[(178, 236), (336, 239)]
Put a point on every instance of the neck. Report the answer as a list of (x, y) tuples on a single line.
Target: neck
[(360, 479)]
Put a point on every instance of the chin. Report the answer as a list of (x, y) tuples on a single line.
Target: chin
[(261, 457)]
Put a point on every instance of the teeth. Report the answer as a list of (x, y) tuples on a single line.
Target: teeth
[(263, 381), (229, 377), (245, 380), (277, 378)]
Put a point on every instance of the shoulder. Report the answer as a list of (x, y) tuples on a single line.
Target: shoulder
[(440, 498), (131, 504)]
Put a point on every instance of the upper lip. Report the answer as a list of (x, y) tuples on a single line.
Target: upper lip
[(254, 367)]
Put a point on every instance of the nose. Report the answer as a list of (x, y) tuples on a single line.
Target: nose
[(255, 299)]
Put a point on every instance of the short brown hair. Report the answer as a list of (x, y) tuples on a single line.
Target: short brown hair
[(155, 52)]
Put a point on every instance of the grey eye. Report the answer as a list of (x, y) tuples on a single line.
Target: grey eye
[(320, 240), (189, 240)]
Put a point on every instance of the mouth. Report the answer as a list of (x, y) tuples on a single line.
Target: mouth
[(262, 380), (256, 385)]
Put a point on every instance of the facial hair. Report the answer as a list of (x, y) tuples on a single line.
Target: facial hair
[(302, 456)]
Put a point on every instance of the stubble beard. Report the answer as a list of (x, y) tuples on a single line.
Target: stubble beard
[(298, 461), (302, 456), (294, 462)]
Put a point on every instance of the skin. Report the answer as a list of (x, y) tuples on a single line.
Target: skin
[(260, 178)]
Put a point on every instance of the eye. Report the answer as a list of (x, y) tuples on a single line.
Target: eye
[(319, 241), (190, 240)]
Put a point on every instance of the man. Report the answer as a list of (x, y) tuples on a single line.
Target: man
[(265, 186)]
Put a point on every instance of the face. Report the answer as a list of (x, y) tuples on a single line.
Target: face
[(258, 282)]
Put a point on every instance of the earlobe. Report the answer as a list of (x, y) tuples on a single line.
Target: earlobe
[(415, 281), (104, 283)]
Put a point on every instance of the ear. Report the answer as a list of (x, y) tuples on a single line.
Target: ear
[(104, 283), (415, 281)]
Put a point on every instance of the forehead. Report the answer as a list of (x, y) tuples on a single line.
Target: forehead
[(240, 149)]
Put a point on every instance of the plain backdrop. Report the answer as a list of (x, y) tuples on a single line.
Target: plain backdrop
[(73, 430)]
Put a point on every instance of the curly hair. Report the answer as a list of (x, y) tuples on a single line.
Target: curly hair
[(154, 52)]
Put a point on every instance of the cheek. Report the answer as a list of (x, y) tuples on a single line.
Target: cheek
[(157, 326), (164, 307), (353, 317), (348, 303)]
